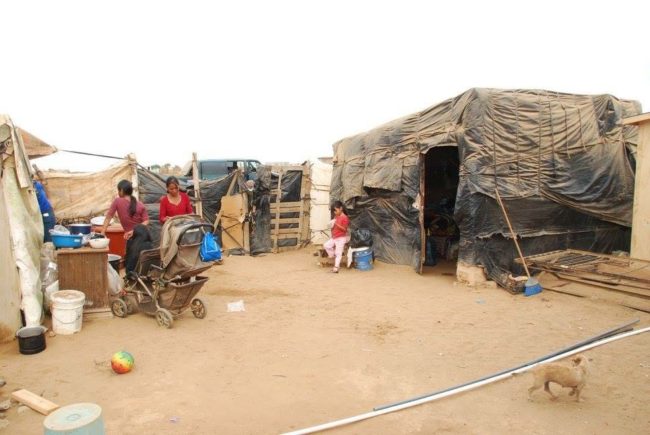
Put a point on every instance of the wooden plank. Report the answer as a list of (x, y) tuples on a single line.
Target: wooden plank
[(287, 220), (295, 231), (289, 236), (287, 210), (640, 248), (234, 213), (638, 119), (37, 403), (597, 293), (247, 237), (284, 205)]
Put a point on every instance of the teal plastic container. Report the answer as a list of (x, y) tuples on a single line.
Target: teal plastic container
[(76, 419)]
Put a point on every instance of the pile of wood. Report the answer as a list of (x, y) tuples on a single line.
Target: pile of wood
[(623, 280)]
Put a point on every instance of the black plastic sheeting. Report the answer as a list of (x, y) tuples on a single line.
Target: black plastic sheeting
[(561, 162), (151, 187), (389, 217), (261, 229), (265, 194), (213, 190), (549, 226)]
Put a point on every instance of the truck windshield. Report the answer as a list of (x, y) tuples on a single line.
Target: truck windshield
[(213, 170)]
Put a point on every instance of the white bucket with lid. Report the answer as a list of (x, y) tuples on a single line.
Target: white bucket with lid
[(67, 311)]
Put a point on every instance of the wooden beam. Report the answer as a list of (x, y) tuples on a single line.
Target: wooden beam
[(37, 403), (289, 236), (133, 164), (286, 204), (197, 188), (286, 231), (287, 220), (636, 120), (305, 190)]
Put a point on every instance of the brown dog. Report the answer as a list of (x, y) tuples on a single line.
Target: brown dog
[(573, 377)]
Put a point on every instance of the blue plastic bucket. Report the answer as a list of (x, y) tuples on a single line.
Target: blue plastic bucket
[(77, 419), (362, 259)]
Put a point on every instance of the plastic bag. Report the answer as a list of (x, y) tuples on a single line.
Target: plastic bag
[(114, 280), (234, 307), (210, 249), (361, 238), (49, 275), (59, 230)]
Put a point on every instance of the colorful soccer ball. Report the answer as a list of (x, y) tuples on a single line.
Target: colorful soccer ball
[(122, 362)]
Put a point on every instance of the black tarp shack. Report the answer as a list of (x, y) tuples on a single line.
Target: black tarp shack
[(563, 164)]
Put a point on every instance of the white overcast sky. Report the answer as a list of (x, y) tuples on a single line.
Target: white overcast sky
[(283, 80)]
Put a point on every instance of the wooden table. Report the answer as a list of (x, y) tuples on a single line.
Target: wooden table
[(85, 269)]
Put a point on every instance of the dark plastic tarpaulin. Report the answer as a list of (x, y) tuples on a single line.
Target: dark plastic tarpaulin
[(561, 163)]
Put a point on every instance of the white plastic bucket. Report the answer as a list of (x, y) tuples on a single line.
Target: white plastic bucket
[(67, 311)]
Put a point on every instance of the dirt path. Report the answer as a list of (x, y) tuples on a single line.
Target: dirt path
[(313, 347)]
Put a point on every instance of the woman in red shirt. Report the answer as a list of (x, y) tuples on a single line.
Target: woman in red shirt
[(175, 202)]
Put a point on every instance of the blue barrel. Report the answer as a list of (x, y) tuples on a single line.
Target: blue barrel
[(362, 259), (76, 419)]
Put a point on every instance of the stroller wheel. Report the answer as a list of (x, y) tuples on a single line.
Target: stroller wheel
[(118, 307), (164, 318), (198, 308)]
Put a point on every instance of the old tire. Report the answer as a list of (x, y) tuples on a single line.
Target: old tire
[(119, 308), (199, 309), (164, 318)]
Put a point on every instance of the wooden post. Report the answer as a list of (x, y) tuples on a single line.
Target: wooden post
[(278, 196), (197, 187), (640, 248), (133, 163), (305, 205)]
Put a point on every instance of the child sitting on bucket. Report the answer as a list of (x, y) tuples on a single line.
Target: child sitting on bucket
[(334, 246)]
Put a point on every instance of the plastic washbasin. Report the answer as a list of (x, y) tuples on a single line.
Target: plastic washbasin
[(67, 240)]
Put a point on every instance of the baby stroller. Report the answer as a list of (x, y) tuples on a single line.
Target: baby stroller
[(165, 280)]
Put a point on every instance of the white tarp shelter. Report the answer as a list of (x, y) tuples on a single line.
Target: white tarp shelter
[(21, 236), (319, 218)]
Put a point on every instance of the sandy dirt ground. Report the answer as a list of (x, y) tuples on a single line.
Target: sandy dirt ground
[(313, 347)]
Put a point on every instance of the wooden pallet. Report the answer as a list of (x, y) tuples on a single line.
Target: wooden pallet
[(299, 229)]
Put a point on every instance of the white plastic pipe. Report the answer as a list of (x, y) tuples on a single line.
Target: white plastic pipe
[(433, 397)]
